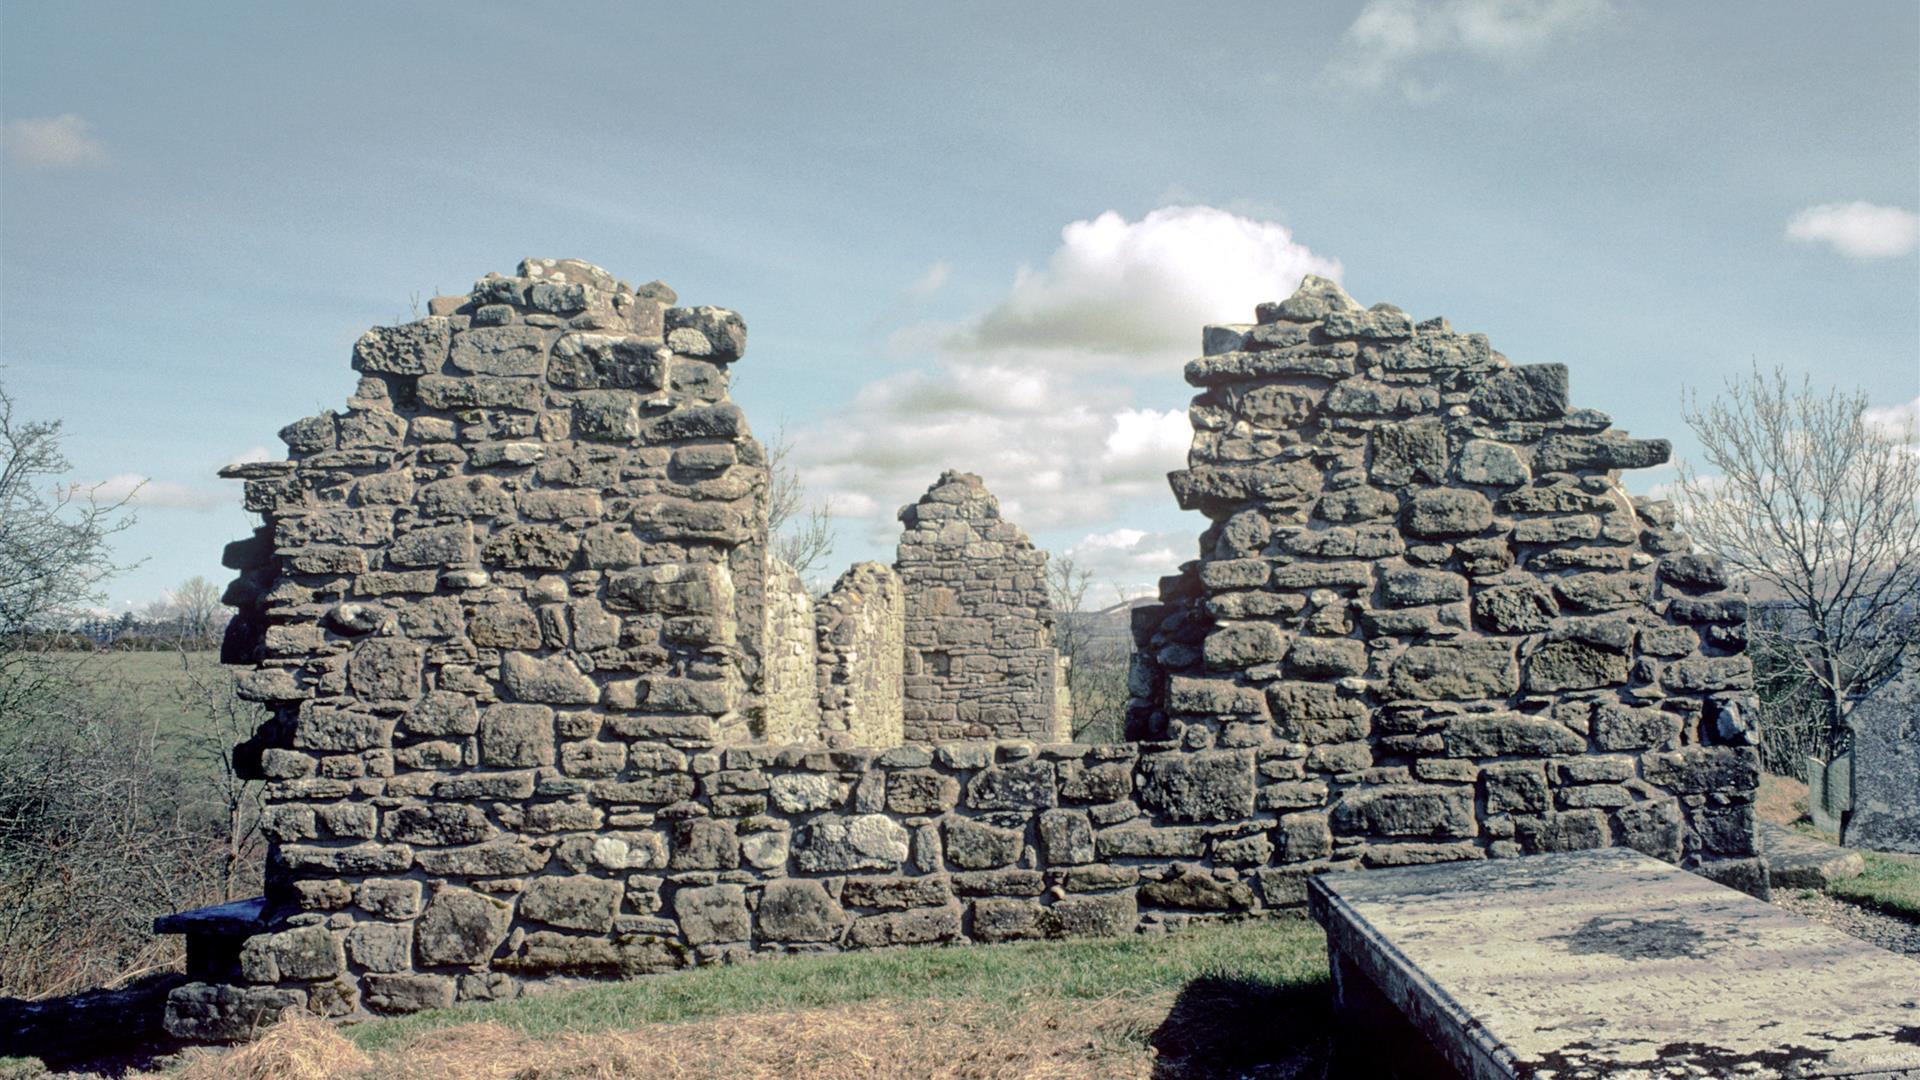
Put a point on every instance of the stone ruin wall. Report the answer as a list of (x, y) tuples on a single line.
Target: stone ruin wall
[(979, 624), (861, 635), (1425, 581), (789, 699), (495, 611)]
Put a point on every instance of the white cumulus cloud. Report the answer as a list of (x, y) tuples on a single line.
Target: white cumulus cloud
[(1137, 292), (1053, 452), (1858, 230), (1404, 42), (1037, 393), (53, 142)]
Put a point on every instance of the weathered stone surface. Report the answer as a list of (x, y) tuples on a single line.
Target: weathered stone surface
[(1409, 587), (921, 791), (595, 361), (1465, 671), (1518, 608), (1528, 392), (800, 793), (1568, 453), (917, 926), (1622, 939), (1491, 463), (576, 903), (1066, 838), (859, 842), (553, 681), (715, 913), (1231, 648), (1618, 727), (1700, 769), (437, 824), (408, 993), (1192, 888), (1886, 767), (1208, 786), (1405, 810), (1027, 785), (1574, 665), (460, 926), (1442, 513), (1403, 453), (1313, 657), (500, 350), (386, 670), (1509, 734), (974, 845), (514, 736), (417, 348), (799, 909)]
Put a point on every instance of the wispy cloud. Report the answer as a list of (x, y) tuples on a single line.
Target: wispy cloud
[(930, 282), (53, 142), (1858, 230), (1406, 44), (146, 492), (1126, 563), (255, 453), (1895, 423)]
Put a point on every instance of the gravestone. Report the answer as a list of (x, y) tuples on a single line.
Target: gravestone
[(1886, 768)]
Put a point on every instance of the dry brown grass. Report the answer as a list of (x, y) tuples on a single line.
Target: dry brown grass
[(300, 1047), (949, 1040), (1782, 799)]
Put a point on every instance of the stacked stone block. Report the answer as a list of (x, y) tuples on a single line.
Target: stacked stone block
[(1425, 588), (979, 623), (861, 630), (514, 615), (789, 700)]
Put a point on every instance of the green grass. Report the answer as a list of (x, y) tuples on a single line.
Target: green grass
[(151, 685), (1287, 952), (1891, 884)]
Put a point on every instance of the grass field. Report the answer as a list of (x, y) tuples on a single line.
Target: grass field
[(156, 686), (1212, 1001)]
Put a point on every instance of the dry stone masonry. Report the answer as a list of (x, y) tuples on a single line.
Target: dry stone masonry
[(861, 635), (1430, 612), (979, 623), (540, 693)]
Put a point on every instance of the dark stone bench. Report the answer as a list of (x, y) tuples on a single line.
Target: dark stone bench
[(1604, 964)]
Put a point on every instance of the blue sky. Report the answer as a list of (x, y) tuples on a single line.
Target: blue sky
[(981, 236)]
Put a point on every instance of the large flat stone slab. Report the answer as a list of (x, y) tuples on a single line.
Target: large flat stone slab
[(1798, 861), (1613, 964)]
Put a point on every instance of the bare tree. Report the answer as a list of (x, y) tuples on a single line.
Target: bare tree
[(1813, 506), (116, 804), (1096, 663), (801, 531), (197, 609), (54, 556)]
